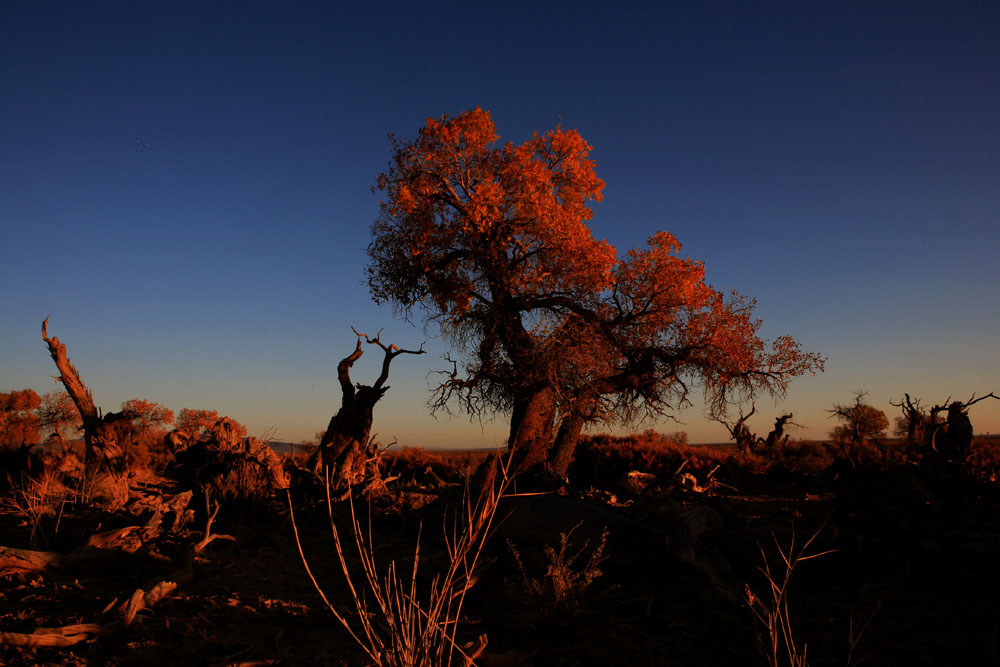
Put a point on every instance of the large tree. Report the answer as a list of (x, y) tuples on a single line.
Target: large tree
[(552, 328)]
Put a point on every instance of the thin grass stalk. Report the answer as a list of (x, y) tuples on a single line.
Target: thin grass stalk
[(486, 516), (319, 589), (776, 617), (373, 643), (853, 640), (414, 635)]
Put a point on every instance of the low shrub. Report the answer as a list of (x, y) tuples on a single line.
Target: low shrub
[(411, 463), (601, 459), (567, 576), (984, 457)]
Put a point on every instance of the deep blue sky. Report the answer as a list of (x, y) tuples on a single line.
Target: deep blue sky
[(185, 188)]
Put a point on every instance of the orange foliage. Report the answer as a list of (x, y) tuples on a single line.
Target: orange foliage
[(466, 220), (196, 423), (984, 457), (57, 412), (18, 421), (146, 424), (861, 421), (493, 242)]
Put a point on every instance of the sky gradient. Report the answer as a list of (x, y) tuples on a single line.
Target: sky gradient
[(185, 188)]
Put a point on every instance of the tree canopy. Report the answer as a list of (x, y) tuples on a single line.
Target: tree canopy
[(550, 325), (58, 412), (861, 422), (197, 423)]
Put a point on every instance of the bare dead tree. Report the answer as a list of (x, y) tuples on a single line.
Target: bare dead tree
[(739, 431), (952, 437), (777, 434), (105, 446), (914, 417), (343, 449)]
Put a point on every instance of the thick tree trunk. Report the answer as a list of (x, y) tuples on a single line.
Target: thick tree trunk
[(342, 448), (62, 440), (531, 429), (343, 445), (562, 452), (959, 431)]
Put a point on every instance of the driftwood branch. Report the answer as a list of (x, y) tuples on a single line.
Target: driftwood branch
[(67, 635), (71, 380), (208, 537)]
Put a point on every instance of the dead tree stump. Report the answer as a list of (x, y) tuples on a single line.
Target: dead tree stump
[(344, 449)]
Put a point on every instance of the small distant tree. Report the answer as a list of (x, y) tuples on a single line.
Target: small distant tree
[(145, 425), (197, 423), (58, 413), (861, 422), (913, 423), (18, 420)]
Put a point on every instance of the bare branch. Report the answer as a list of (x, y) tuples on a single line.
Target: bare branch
[(972, 401), (344, 367)]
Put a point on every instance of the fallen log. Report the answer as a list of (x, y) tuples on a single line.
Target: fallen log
[(145, 599), (13, 560), (141, 599), (67, 635)]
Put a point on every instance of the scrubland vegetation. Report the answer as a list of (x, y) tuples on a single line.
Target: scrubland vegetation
[(653, 551), (200, 545)]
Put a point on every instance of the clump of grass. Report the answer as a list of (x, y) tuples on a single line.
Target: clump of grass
[(565, 580), (38, 497), (395, 625)]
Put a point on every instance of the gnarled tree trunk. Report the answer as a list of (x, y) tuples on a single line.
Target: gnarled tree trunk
[(105, 462), (776, 434), (343, 449), (531, 428), (953, 438), (564, 447)]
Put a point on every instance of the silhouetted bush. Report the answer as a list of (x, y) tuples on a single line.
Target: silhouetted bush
[(227, 467)]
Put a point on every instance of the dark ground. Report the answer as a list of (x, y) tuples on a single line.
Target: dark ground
[(915, 565)]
